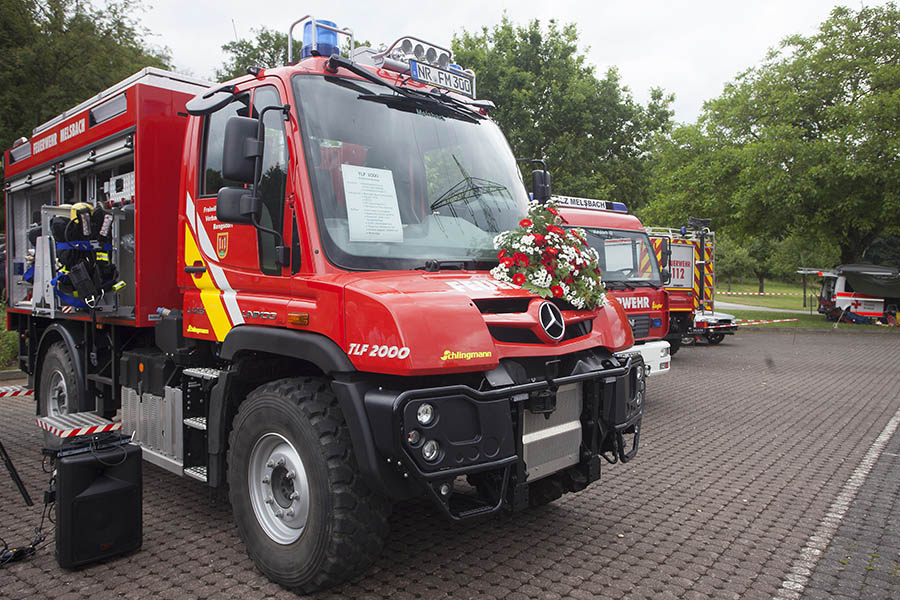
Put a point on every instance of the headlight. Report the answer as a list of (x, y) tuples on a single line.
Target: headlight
[(664, 352), (640, 372), (413, 437), (431, 450), (425, 414)]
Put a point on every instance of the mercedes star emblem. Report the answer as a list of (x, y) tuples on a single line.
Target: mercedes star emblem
[(552, 321)]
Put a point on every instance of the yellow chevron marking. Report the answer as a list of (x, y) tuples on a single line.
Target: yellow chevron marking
[(210, 295)]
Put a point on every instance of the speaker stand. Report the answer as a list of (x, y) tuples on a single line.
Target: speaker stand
[(15, 475)]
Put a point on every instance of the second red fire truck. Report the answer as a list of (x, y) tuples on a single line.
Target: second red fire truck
[(631, 272)]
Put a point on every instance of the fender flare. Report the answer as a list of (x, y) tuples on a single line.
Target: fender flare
[(311, 347), (331, 359), (68, 337)]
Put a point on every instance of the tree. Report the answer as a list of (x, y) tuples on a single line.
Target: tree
[(57, 53), (732, 260), (551, 105), (267, 49), (807, 141)]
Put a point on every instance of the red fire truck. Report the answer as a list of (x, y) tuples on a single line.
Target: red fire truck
[(631, 272), (281, 283), (691, 288)]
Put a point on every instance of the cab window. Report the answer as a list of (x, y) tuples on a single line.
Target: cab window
[(214, 142), (273, 175)]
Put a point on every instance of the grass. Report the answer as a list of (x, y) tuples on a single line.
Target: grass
[(814, 321), (792, 302)]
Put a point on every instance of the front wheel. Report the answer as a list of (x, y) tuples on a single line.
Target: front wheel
[(306, 518), (715, 338)]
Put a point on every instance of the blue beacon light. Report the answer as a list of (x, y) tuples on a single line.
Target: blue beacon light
[(326, 40)]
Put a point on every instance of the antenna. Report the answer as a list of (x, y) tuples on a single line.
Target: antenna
[(234, 27)]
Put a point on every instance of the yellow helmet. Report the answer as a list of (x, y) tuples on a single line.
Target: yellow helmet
[(78, 207)]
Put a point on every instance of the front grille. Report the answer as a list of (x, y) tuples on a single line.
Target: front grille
[(514, 335), (577, 330), (640, 325), (499, 306)]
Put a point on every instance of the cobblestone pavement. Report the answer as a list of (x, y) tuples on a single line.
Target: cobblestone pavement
[(745, 447)]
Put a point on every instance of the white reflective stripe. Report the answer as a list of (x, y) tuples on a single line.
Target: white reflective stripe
[(218, 275)]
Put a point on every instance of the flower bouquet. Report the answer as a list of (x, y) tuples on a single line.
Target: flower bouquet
[(548, 260)]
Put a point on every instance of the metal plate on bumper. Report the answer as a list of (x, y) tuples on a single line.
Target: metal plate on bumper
[(552, 443)]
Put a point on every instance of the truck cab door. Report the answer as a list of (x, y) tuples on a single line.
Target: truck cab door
[(236, 278)]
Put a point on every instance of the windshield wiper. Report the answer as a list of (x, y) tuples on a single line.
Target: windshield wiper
[(433, 265), (423, 103), (617, 283), (458, 108)]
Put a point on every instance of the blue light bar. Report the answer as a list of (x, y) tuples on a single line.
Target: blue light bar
[(591, 204)]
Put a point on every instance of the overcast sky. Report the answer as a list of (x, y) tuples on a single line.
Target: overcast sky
[(691, 48)]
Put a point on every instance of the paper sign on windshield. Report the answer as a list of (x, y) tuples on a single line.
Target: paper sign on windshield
[(372, 210)]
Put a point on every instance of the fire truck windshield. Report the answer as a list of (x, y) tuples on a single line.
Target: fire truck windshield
[(399, 183), (625, 256)]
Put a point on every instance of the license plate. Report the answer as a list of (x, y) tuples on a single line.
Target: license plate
[(455, 81)]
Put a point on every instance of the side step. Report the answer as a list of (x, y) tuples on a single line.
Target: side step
[(198, 473), (196, 423), (202, 372)]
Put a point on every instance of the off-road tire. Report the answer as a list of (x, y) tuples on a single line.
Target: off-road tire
[(347, 523), (715, 338), (57, 369)]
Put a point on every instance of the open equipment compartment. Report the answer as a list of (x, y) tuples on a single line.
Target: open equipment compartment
[(112, 153)]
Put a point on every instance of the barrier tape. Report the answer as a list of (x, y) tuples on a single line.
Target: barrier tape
[(742, 322), (8, 391), (761, 293)]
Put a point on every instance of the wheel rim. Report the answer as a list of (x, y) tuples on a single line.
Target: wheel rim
[(279, 488), (57, 394)]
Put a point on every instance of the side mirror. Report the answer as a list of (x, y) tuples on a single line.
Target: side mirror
[(237, 205), (241, 150), (666, 276), (540, 185), (666, 253)]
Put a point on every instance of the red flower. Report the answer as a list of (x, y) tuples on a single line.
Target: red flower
[(553, 251), (552, 210), (557, 291), (555, 229), (507, 261), (551, 271), (541, 240), (501, 254), (525, 223), (519, 278), (520, 259), (569, 279)]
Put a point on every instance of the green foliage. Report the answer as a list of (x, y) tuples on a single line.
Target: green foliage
[(732, 259), (9, 346), (267, 49), (551, 105), (57, 53), (803, 146)]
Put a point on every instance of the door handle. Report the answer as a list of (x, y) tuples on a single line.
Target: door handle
[(195, 269)]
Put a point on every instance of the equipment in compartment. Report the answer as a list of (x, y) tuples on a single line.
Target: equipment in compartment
[(119, 190)]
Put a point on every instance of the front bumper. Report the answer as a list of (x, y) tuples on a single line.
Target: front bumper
[(656, 356), (519, 430)]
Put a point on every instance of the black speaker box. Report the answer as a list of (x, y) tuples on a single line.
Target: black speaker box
[(98, 504)]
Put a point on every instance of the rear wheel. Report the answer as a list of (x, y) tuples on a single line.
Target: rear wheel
[(58, 386), (304, 514)]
